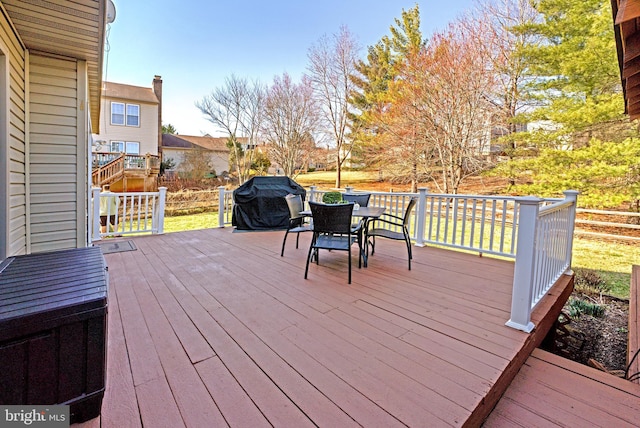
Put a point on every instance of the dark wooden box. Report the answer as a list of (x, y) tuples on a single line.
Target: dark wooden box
[(53, 325)]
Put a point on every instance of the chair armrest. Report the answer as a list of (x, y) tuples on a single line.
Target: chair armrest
[(357, 228), (387, 221), (393, 216)]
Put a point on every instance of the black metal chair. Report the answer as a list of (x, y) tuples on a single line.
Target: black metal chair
[(297, 222), (361, 199), (332, 231), (392, 227)]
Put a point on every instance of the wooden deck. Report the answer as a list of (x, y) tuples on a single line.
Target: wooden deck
[(552, 391), (214, 328)]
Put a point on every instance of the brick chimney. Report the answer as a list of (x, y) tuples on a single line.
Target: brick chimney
[(157, 89)]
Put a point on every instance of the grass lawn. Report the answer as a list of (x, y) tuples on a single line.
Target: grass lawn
[(328, 178), (611, 260), (190, 222)]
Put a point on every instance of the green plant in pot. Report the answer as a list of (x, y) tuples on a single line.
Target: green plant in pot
[(332, 198)]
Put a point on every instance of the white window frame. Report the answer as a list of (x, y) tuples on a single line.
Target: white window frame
[(137, 116), (125, 147), (125, 114), (117, 150), (130, 144)]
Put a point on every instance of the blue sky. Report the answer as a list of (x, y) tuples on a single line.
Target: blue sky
[(195, 44)]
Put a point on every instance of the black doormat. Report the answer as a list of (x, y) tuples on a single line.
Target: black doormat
[(116, 247)]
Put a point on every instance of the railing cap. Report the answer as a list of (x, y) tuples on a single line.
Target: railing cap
[(529, 200)]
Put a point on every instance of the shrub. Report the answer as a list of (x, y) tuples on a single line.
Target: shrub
[(589, 281), (332, 198), (579, 307)]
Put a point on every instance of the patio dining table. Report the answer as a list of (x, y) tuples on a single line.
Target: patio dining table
[(365, 213)]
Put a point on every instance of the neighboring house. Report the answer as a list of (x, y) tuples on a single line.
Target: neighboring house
[(51, 56), (130, 119), (175, 147), (125, 152)]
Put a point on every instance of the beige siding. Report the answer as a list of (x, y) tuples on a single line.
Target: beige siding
[(13, 194), (56, 165), (219, 161), (146, 134)]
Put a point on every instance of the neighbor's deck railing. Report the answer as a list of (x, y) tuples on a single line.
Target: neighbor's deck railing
[(537, 233), (138, 212), (108, 167)]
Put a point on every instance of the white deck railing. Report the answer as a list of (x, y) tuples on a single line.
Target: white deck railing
[(543, 255), (136, 213), (537, 233)]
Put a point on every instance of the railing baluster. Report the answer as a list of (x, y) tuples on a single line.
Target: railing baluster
[(514, 227), (137, 213), (455, 221), (482, 223), (493, 223), (473, 222), (464, 221), (503, 225)]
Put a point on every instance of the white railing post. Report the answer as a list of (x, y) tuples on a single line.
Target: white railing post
[(573, 196), (95, 215), (312, 193), (525, 265), (421, 215), (221, 206), (161, 202)]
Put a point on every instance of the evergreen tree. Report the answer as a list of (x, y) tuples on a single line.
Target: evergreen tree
[(576, 72), (169, 129), (375, 73), (585, 142)]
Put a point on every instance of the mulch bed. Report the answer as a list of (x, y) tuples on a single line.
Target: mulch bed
[(600, 339)]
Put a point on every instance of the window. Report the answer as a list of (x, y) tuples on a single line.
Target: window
[(118, 117), (133, 115), (117, 147), (128, 147), (133, 148), (117, 113)]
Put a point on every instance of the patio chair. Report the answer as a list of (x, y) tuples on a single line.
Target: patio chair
[(361, 199), (332, 231), (297, 222), (392, 227)]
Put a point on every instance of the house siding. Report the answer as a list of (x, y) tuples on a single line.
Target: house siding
[(13, 159), (57, 150), (146, 134), (219, 161)]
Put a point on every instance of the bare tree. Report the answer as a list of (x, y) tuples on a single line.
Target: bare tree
[(332, 62), (196, 163), (441, 102), (290, 121), (238, 109)]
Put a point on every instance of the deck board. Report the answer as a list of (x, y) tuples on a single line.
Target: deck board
[(552, 391), (120, 398), (218, 323)]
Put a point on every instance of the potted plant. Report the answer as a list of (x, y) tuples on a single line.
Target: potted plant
[(332, 198)]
